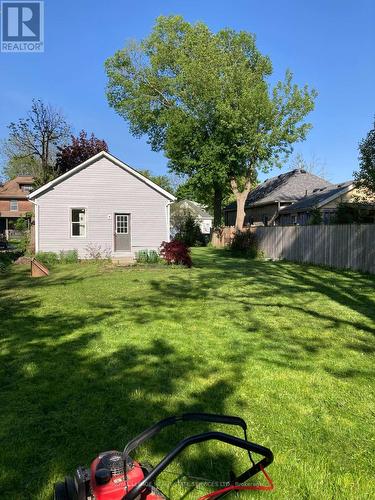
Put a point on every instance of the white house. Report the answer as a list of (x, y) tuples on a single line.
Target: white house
[(101, 202), (197, 210)]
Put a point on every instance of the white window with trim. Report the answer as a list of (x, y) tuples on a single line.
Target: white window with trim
[(13, 205), (122, 224), (78, 222)]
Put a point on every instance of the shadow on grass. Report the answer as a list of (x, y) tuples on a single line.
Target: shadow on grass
[(64, 398), (63, 401)]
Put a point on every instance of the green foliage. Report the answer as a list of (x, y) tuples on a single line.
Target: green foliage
[(287, 347), (193, 189), (351, 213), (315, 217), (164, 181), (6, 260), (147, 257), (187, 229), (204, 98), (68, 256), (47, 258), (21, 224), (15, 165), (365, 177), (244, 243), (22, 244)]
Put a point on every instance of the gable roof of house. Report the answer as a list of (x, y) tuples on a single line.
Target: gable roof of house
[(11, 188), (319, 197), (93, 159), (288, 187), (195, 207)]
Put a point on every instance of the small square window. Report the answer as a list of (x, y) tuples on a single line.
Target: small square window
[(13, 205), (78, 222)]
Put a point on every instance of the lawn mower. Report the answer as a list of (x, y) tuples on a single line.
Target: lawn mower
[(116, 476)]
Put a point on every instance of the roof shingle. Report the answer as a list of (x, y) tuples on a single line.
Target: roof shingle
[(288, 187), (318, 197)]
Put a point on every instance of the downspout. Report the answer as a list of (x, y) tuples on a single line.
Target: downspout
[(36, 225), (168, 208)]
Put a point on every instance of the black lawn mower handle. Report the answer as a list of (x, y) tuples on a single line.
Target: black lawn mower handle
[(186, 417), (199, 438)]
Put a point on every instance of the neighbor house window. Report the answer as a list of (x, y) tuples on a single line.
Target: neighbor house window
[(78, 222), (26, 188), (13, 205)]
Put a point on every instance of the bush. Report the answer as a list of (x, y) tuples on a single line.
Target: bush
[(21, 224), (47, 258), (7, 259), (68, 256), (244, 243), (176, 252), (351, 213), (188, 230), (147, 256), (316, 217)]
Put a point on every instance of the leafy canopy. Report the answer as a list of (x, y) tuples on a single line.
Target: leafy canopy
[(79, 150), (365, 176), (164, 181), (205, 100)]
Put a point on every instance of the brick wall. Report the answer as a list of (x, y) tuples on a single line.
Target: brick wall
[(23, 206)]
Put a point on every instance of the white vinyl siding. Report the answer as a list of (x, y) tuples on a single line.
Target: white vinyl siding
[(103, 189)]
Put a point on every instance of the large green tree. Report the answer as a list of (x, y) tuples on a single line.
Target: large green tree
[(365, 176), (204, 99)]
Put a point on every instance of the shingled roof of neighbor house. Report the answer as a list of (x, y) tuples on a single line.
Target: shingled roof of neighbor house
[(12, 189), (288, 187), (319, 197), (199, 209)]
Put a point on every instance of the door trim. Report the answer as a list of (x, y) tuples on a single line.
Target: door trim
[(114, 232)]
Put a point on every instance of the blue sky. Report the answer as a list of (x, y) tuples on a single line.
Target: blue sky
[(328, 44)]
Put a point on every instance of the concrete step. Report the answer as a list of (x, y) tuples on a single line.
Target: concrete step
[(123, 261)]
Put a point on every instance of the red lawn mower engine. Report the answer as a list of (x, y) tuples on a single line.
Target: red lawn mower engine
[(116, 476), (106, 480)]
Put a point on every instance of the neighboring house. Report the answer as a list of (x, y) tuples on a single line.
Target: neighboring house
[(102, 203), (264, 203), (14, 203), (326, 200), (197, 210)]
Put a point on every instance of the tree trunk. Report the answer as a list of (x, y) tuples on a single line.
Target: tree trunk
[(218, 199), (241, 197)]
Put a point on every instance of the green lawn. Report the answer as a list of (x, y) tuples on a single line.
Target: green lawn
[(91, 355)]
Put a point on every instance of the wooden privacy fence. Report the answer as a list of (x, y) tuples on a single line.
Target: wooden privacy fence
[(349, 246)]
